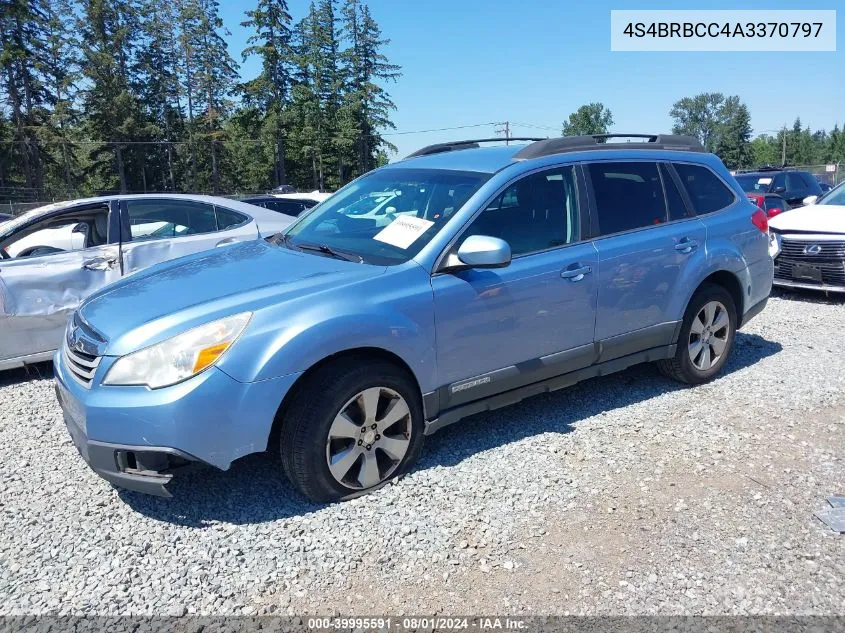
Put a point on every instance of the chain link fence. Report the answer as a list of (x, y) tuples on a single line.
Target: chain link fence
[(832, 174)]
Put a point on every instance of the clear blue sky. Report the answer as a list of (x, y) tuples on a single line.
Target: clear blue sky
[(535, 61)]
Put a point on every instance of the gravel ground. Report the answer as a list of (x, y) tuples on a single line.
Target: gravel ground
[(625, 494)]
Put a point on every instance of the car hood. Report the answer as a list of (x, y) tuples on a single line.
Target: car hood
[(169, 298), (815, 218)]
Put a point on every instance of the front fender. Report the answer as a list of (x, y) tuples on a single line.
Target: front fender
[(292, 338)]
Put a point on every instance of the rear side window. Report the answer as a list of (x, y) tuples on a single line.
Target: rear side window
[(226, 218), (284, 206), (707, 192), (156, 219), (674, 200), (628, 195)]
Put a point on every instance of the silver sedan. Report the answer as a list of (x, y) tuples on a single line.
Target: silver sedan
[(53, 257)]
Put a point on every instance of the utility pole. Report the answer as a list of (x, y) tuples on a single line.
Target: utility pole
[(783, 153), (506, 130)]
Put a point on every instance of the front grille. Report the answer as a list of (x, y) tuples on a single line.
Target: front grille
[(830, 250), (81, 366), (833, 274)]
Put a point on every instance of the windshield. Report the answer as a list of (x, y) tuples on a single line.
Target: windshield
[(834, 196), (754, 183), (387, 216)]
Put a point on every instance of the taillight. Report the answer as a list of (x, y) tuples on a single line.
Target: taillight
[(773, 212), (759, 219), (760, 201)]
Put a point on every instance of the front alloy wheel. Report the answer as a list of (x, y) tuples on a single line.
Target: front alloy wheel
[(369, 438)]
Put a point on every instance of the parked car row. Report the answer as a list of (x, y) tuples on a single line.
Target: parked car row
[(459, 280)]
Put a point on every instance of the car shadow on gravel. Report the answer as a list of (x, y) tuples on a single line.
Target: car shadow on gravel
[(255, 491), (809, 296), (28, 373)]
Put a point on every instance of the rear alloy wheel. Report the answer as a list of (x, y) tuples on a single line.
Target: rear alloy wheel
[(352, 426), (369, 438), (706, 337)]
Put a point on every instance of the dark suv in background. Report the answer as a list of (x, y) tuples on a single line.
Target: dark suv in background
[(792, 185)]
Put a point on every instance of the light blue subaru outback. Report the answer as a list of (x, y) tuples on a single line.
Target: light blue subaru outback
[(459, 280)]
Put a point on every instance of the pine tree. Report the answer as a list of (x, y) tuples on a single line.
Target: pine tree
[(365, 64), (271, 90), (733, 142), (109, 28)]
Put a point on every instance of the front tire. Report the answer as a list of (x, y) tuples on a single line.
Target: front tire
[(706, 337), (354, 425)]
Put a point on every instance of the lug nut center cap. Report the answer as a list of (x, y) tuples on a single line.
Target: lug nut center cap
[(369, 437)]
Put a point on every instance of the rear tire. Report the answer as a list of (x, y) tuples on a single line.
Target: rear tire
[(706, 338), (353, 426)]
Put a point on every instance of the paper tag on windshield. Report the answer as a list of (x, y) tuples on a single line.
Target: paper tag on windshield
[(403, 231), (764, 181)]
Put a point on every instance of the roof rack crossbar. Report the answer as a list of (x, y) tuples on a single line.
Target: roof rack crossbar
[(451, 146), (564, 144)]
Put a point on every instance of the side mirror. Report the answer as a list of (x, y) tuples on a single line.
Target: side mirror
[(82, 227), (810, 200), (482, 251), (780, 189)]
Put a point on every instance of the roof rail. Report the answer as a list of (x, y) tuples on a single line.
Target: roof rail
[(452, 146), (564, 144)]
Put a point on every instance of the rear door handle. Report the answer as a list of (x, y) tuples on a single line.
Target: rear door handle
[(226, 241), (576, 274), (686, 245)]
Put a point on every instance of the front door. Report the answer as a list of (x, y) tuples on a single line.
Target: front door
[(498, 329), (66, 258)]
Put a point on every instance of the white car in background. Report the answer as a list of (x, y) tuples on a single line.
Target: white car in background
[(53, 257), (808, 244), (316, 195)]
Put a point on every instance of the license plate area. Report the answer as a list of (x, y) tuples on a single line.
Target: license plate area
[(806, 272)]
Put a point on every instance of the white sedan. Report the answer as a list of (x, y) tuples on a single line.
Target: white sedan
[(808, 244), (53, 257)]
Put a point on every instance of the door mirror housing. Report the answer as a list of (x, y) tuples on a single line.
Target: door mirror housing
[(780, 189), (480, 251), (810, 200)]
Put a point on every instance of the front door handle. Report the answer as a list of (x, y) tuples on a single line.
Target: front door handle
[(576, 274), (226, 241), (686, 246)]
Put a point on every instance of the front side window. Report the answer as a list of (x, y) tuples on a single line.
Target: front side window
[(706, 190), (71, 231), (534, 214), (629, 195), (157, 219), (385, 217)]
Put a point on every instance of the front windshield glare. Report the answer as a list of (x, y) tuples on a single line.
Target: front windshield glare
[(387, 216)]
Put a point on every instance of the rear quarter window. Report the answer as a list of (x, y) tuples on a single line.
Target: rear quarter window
[(705, 189)]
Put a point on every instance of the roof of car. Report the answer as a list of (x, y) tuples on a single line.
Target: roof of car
[(493, 159)]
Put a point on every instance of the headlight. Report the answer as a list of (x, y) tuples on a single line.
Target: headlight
[(774, 244), (180, 357)]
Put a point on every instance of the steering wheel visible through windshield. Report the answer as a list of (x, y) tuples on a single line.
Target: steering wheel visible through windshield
[(387, 216)]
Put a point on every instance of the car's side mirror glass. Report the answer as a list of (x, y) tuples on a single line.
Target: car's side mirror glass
[(480, 251), (780, 189)]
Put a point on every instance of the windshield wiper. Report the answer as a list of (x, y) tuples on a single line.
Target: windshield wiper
[(328, 250)]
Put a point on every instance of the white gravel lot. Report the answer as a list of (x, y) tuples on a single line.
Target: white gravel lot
[(625, 494)]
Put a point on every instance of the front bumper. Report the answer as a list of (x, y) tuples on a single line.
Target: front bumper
[(135, 437), (144, 469), (786, 283)]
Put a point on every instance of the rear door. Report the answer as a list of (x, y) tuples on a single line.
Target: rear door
[(159, 229), (58, 261), (647, 239)]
